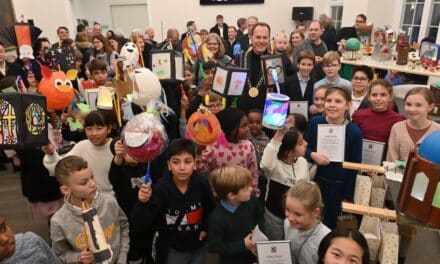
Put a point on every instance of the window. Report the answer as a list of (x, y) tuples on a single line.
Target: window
[(336, 15), (415, 20), (434, 17)]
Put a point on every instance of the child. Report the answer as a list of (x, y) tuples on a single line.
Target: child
[(406, 134), (376, 122), (95, 150), (180, 205), (331, 64), (394, 77), (69, 240), (232, 221), (302, 226), (284, 165), (26, 248), (260, 140), (98, 74), (336, 183), (343, 246), (360, 80), (317, 108), (281, 43), (238, 150)]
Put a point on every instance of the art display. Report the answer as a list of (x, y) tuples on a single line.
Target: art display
[(229, 81), (167, 64), (273, 69)]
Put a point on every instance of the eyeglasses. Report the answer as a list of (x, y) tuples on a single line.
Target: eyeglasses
[(329, 66), (361, 79)]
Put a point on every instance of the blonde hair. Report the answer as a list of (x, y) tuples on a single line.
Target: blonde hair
[(308, 193), (221, 47), (331, 56), (230, 179)]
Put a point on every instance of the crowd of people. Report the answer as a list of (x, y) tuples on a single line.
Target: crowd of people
[(209, 198)]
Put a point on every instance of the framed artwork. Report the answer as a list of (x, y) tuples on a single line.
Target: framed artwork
[(272, 67), (429, 50), (230, 2), (229, 81), (167, 64)]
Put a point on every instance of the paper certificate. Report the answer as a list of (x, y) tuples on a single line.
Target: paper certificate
[(274, 252), (300, 107), (372, 152), (331, 141)]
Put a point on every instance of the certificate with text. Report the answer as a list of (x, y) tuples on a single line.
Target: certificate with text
[(331, 141), (300, 107), (372, 152), (274, 252)]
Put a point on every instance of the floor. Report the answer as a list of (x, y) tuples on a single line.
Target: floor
[(425, 248)]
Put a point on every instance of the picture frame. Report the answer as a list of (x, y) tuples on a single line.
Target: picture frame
[(229, 81), (429, 50), (269, 63), (167, 64), (271, 252), (91, 96)]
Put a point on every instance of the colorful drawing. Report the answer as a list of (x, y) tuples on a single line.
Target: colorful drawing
[(35, 119), (8, 123), (273, 63), (275, 110)]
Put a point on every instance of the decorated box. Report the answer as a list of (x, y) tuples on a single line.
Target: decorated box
[(272, 66), (229, 81), (167, 64), (22, 121)]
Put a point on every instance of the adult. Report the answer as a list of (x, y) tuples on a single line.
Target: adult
[(220, 28), (97, 29), (231, 41), (40, 47), (103, 50), (246, 40), (63, 34), (149, 31), (254, 92), (149, 45), (296, 37), (316, 45), (191, 27), (172, 40), (81, 39), (8, 68), (301, 27), (110, 33), (353, 31), (89, 33), (329, 34), (241, 26)]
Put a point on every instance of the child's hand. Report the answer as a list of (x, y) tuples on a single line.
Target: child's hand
[(86, 257), (314, 109), (320, 158), (144, 193), (119, 148), (249, 244), (49, 149), (203, 235), (184, 103)]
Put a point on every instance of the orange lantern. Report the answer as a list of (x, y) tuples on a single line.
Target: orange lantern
[(204, 128)]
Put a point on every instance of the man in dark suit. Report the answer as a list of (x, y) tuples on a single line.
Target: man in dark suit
[(231, 41), (246, 39), (299, 87), (7, 68), (221, 28)]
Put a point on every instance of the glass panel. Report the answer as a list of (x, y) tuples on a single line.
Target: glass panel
[(340, 9), (433, 32), (418, 14), (408, 14), (415, 34), (435, 17), (406, 29)]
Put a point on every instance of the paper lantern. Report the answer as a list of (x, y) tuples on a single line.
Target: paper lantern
[(229, 81), (352, 49), (57, 88), (129, 56), (275, 110), (22, 121), (204, 128), (147, 87), (167, 64), (429, 149), (105, 98), (144, 137), (271, 63)]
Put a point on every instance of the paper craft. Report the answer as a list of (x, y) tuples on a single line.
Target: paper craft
[(300, 107), (275, 110), (74, 125), (167, 64), (91, 98), (274, 252), (258, 235), (105, 98), (372, 152), (83, 107), (420, 186), (229, 81), (273, 63), (331, 141)]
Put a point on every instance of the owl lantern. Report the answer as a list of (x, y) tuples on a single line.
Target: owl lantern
[(57, 88)]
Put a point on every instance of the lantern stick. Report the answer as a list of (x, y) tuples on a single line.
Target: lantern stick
[(147, 175)]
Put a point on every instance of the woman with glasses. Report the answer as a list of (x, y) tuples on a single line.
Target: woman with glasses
[(102, 50)]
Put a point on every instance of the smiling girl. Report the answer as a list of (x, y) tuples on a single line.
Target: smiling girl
[(405, 135), (336, 183)]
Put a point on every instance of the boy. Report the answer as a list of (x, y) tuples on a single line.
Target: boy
[(26, 248), (179, 205), (98, 74), (331, 64), (232, 221), (260, 140), (69, 241)]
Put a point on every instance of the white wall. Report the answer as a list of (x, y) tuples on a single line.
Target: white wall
[(47, 15)]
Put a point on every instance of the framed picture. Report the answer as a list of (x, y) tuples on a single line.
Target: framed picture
[(270, 252), (429, 50), (229, 81), (230, 2), (91, 97), (272, 67), (167, 64)]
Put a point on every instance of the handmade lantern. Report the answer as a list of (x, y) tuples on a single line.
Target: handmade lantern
[(146, 88), (275, 110), (229, 81), (419, 194), (272, 64), (129, 56), (22, 121), (203, 128), (57, 88), (352, 49), (167, 64), (105, 98)]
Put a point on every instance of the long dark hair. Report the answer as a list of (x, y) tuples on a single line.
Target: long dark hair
[(288, 143), (230, 119), (107, 47)]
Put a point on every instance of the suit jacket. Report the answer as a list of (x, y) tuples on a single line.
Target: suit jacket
[(244, 42), (216, 30), (13, 69), (229, 48), (293, 89)]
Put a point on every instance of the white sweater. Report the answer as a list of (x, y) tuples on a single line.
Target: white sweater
[(99, 159)]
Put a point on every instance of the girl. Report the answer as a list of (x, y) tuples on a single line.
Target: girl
[(406, 134), (283, 165), (302, 226), (343, 246), (336, 183), (280, 43), (296, 37), (238, 150), (103, 50), (317, 108), (376, 122), (95, 150)]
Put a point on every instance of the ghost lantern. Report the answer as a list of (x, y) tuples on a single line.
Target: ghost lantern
[(129, 55), (146, 87), (167, 64)]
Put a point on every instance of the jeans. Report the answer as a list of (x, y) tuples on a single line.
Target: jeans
[(198, 256)]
